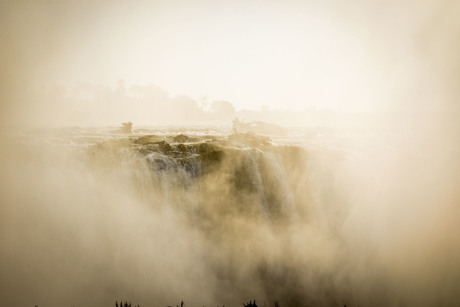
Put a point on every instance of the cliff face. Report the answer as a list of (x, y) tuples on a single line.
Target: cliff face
[(242, 172)]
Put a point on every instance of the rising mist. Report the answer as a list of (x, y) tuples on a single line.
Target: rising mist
[(89, 216), (340, 208)]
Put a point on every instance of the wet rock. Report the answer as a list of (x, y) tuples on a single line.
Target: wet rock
[(181, 138), (147, 139), (163, 146)]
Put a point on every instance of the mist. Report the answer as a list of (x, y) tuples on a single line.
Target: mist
[(356, 202)]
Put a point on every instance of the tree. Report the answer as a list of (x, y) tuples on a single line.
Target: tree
[(223, 110)]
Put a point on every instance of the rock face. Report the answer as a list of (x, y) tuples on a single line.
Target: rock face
[(246, 170), (181, 138)]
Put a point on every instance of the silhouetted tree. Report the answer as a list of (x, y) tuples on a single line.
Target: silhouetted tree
[(250, 304)]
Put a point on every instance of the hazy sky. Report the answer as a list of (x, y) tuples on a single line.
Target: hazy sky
[(351, 56)]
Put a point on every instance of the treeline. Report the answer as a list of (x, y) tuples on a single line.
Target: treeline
[(89, 104), (125, 303), (86, 104)]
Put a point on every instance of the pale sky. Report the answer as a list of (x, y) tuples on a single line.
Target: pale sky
[(343, 55)]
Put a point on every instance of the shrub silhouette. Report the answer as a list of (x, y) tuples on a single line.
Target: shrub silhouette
[(250, 304), (125, 304)]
